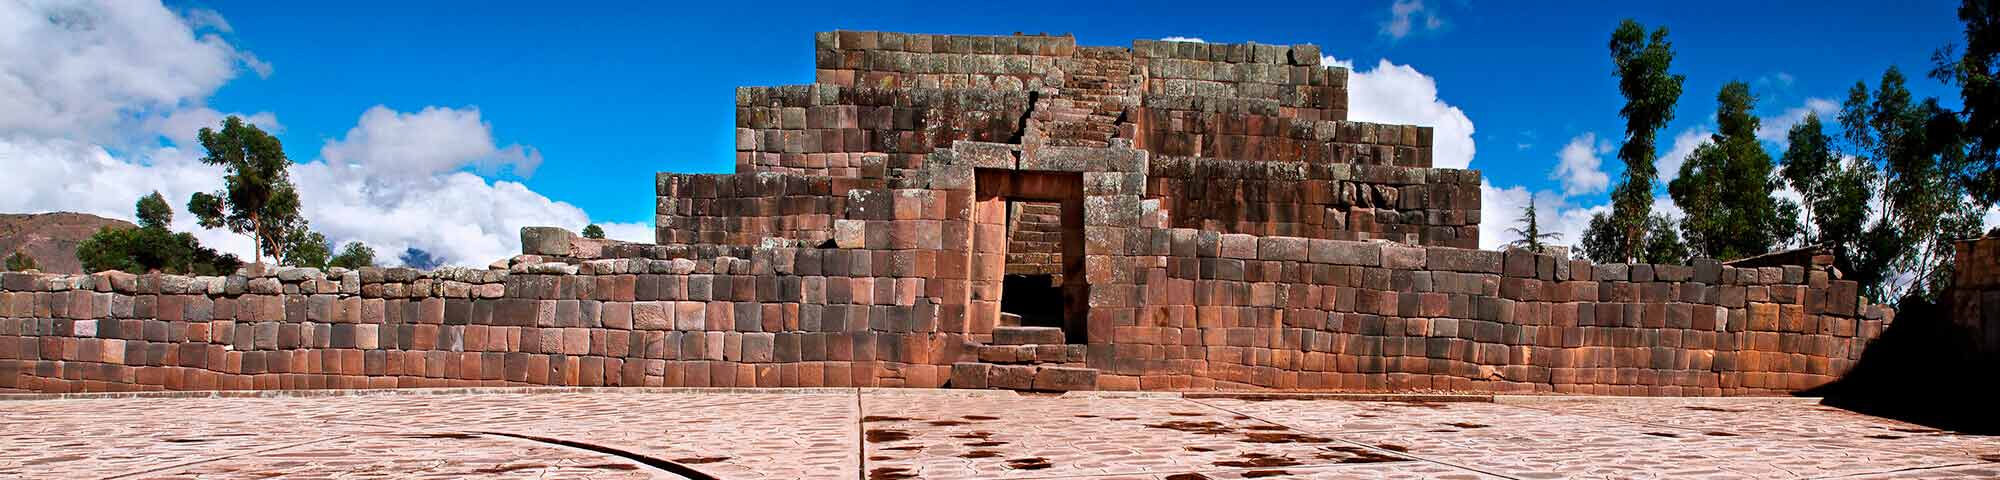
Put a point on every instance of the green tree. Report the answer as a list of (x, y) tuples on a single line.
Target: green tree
[(257, 198), (1604, 241), (20, 262), (151, 247), (1530, 233), (354, 255), (593, 231), (1836, 195), (1725, 186), (1806, 165), (306, 248), (1907, 251), (108, 249), (1641, 63), (1663, 246), (1976, 71), (154, 212)]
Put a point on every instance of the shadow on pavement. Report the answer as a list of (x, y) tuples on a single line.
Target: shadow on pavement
[(1926, 370)]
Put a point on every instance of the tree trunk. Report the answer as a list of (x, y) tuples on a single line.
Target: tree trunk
[(257, 238)]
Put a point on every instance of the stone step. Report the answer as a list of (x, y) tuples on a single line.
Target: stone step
[(1061, 354), (1016, 335), (980, 375)]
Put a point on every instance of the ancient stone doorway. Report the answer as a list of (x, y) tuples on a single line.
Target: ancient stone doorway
[(1030, 245)]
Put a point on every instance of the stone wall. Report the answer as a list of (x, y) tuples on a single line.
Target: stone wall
[(840, 131), (745, 209), (1976, 291), (1187, 309), (1419, 206), (1222, 227)]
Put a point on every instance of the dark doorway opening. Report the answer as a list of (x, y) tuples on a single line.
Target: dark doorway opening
[(1034, 299)]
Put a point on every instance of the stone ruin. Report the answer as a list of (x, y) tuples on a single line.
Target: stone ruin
[(1013, 212)]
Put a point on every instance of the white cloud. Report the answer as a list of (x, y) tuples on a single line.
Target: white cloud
[(68, 175), (1579, 168), (630, 232), (453, 214), (398, 180), (1399, 94), (88, 90), (182, 126), (202, 18), (1406, 16), (1669, 164), (458, 216), (386, 144), (1184, 39), (1501, 209), (85, 69), (1774, 129)]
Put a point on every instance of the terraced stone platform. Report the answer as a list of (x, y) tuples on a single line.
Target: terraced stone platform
[(911, 433)]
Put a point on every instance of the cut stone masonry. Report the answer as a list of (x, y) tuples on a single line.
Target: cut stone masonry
[(1207, 217)]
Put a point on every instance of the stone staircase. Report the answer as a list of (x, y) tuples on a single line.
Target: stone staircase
[(1026, 358), (1085, 110)]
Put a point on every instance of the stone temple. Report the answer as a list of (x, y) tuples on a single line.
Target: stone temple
[(1009, 212)]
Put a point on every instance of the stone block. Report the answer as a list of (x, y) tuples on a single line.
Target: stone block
[(969, 374), (1239, 246), (1707, 270), (653, 316), (1282, 248), (1402, 257), (1462, 260), (1063, 379), (554, 241), (1011, 377), (1339, 252), (1519, 263), (1613, 272)]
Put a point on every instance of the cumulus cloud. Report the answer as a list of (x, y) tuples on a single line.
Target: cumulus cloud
[(386, 144), (1579, 168), (1407, 16), (1774, 129), (89, 90), (69, 175), (438, 207), (86, 69), (1400, 94), (1669, 164), (1184, 39)]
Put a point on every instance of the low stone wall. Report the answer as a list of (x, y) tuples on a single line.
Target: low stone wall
[(1190, 310), (1195, 309)]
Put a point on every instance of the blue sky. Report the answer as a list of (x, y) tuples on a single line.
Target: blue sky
[(608, 94)]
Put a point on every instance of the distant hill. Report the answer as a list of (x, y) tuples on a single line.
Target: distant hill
[(51, 237)]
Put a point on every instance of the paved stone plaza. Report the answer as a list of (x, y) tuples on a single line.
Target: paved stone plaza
[(894, 434)]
